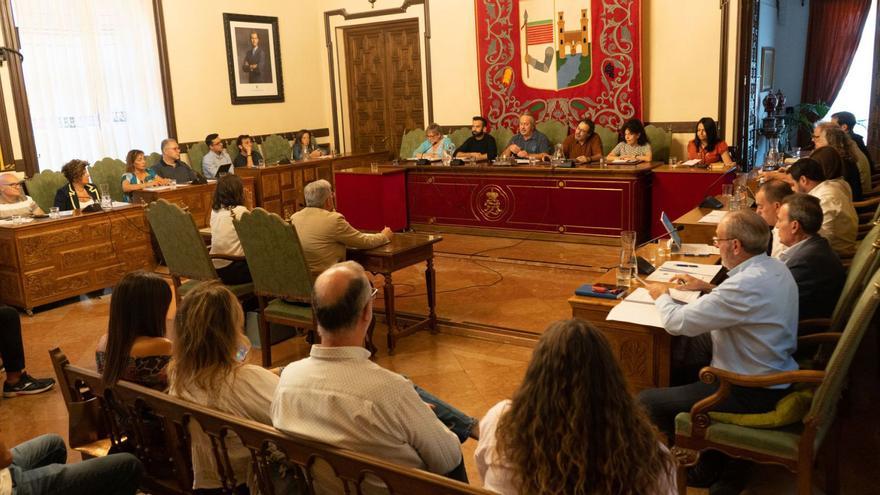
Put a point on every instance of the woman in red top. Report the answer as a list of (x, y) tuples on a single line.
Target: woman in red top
[(706, 146)]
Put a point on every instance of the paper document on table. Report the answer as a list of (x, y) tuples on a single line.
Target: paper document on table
[(621, 161), (691, 163), (637, 308), (684, 296), (713, 217), (522, 161), (697, 250), (672, 268)]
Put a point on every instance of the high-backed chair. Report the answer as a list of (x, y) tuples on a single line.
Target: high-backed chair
[(793, 446), (660, 142), (410, 141), (282, 281), (153, 158), (196, 153), (502, 136), (184, 250), (609, 138), (460, 136), (232, 149), (109, 171), (555, 131), (275, 149), (42, 187)]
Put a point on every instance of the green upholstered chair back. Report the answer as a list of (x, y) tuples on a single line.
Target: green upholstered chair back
[(410, 141), (555, 131), (43, 186), (502, 136), (825, 401), (196, 154), (274, 255), (153, 158), (232, 149), (660, 142), (109, 171), (275, 149), (864, 264), (609, 139), (182, 246), (460, 136)]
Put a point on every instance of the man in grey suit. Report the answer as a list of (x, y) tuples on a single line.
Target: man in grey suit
[(256, 62), (813, 264)]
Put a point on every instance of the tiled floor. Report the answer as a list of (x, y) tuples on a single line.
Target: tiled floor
[(487, 281)]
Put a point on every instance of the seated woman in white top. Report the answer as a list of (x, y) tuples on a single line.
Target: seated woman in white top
[(13, 200), (228, 205), (207, 368), (635, 145), (592, 437)]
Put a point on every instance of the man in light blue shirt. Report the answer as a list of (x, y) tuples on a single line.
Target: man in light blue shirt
[(215, 157), (751, 317)]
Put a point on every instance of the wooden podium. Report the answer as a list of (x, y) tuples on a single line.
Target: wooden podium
[(372, 200)]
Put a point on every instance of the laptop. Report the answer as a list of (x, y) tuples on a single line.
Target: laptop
[(670, 229), (223, 170)]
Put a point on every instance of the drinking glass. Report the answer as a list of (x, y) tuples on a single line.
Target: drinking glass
[(374, 167), (602, 162), (17, 220), (106, 200), (626, 267), (54, 212), (173, 183)]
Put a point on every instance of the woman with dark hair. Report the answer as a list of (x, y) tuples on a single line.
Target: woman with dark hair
[(135, 348), (78, 193), (572, 426), (829, 134), (137, 175), (304, 147), (706, 146), (635, 145), (228, 205)]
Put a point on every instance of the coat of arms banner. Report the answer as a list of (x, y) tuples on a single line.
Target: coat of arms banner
[(559, 60)]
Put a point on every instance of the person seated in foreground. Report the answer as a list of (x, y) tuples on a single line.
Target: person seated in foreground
[(137, 176), (324, 233), (18, 381), (635, 145), (594, 437), (305, 147), (840, 222), (135, 348), (706, 146), (434, 145), (339, 397), (816, 269), (847, 122), (768, 199), (79, 192), (228, 205), (751, 318), (170, 166), (39, 466), (529, 142), (247, 155), (13, 200), (216, 156), (584, 146), (208, 369), (481, 145)]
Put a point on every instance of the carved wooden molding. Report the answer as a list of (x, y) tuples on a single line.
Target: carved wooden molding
[(164, 68), (19, 94)]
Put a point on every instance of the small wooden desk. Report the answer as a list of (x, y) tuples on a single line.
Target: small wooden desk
[(196, 199), (644, 352), (404, 250), (372, 200)]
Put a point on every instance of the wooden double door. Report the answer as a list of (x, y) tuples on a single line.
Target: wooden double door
[(384, 73)]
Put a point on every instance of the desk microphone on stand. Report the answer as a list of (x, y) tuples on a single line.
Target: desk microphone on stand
[(711, 201)]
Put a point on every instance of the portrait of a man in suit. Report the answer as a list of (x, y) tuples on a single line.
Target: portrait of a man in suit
[(256, 62)]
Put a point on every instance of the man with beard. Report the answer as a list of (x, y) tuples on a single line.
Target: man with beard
[(480, 146), (584, 146)]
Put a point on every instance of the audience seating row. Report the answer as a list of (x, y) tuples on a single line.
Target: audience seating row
[(99, 415)]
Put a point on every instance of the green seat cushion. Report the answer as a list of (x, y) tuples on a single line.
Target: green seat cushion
[(284, 310), (781, 443), (789, 410), (239, 290)]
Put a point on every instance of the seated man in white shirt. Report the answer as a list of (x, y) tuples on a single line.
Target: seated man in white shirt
[(13, 200), (840, 223), (216, 157), (768, 200), (338, 396)]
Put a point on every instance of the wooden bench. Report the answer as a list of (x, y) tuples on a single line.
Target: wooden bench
[(98, 412)]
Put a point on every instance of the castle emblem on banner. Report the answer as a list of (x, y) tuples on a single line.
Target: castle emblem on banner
[(556, 43)]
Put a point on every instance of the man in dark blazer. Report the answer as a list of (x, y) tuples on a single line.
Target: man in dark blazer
[(256, 61), (815, 266)]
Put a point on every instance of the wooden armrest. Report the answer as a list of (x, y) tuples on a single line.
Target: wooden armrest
[(820, 338), (872, 200), (813, 325), (227, 257)]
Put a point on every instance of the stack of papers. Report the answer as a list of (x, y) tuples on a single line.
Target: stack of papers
[(691, 163), (713, 217), (672, 268), (638, 308), (697, 250)]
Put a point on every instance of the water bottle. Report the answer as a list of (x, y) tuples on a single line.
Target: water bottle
[(557, 156), (445, 157)]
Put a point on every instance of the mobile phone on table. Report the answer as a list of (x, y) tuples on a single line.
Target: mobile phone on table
[(609, 289)]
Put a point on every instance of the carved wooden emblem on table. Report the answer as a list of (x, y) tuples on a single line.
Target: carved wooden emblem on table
[(492, 203)]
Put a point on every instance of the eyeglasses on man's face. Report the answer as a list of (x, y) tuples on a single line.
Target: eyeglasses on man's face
[(717, 240)]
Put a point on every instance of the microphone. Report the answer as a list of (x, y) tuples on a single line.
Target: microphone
[(678, 228), (710, 201), (644, 266)]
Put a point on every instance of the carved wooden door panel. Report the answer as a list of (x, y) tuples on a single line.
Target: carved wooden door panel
[(384, 73)]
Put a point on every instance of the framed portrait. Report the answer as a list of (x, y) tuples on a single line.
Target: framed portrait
[(768, 66), (253, 57)]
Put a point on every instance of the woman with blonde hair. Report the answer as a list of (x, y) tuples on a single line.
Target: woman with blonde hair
[(207, 368), (572, 427)]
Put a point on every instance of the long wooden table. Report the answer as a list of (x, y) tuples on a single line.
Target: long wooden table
[(644, 352), (48, 260), (197, 199), (677, 189), (695, 232), (404, 250)]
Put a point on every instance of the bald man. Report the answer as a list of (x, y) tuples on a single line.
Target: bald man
[(530, 142), (13, 200)]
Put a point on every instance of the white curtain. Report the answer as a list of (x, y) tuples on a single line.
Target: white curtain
[(91, 69)]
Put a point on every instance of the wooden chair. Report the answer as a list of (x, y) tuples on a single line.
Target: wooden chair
[(609, 139), (555, 131), (410, 141), (796, 446), (153, 158), (276, 149), (282, 281), (660, 142), (196, 153), (460, 136), (184, 249), (43, 186), (109, 171)]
